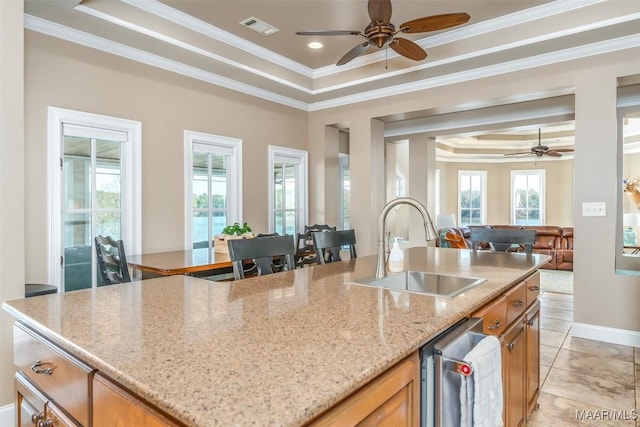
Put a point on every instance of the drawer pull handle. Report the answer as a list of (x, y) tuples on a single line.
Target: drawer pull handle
[(496, 325), (45, 423), (36, 368), (534, 288), (518, 303), (530, 322), (35, 417)]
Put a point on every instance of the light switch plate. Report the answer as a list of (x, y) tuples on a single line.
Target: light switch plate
[(594, 209)]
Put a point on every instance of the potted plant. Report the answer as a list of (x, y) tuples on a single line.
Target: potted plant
[(233, 231)]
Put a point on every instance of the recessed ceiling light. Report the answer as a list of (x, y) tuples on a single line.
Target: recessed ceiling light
[(315, 45)]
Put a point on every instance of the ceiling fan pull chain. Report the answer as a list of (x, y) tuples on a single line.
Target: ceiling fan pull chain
[(386, 58)]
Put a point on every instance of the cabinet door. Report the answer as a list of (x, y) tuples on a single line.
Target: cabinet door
[(115, 406), (392, 399), (514, 371), (29, 401), (55, 417), (533, 356)]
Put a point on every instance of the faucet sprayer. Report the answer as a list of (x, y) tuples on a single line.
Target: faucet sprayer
[(429, 229)]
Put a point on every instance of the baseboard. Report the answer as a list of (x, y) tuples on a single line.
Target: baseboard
[(7, 415), (602, 333)]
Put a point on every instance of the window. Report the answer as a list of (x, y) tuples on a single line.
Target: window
[(288, 190), (95, 190), (213, 186), (401, 183), (345, 189), (527, 197), (472, 197)]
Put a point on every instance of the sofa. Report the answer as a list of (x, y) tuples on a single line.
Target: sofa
[(557, 242)]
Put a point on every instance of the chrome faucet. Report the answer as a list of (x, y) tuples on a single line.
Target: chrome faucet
[(429, 229)]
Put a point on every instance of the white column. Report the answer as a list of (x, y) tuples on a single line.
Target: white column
[(422, 177)]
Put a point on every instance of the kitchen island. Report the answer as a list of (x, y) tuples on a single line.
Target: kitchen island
[(271, 350)]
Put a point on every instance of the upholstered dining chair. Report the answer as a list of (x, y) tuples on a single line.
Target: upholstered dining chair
[(262, 251), (502, 240), (329, 243), (112, 261)]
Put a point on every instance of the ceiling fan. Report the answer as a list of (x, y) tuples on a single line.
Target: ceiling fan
[(542, 150), (382, 33)]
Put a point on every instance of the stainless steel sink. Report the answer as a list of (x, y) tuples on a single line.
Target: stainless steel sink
[(435, 284)]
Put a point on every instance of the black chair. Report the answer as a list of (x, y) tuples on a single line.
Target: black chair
[(502, 240), (262, 251), (112, 261), (329, 243), (305, 250)]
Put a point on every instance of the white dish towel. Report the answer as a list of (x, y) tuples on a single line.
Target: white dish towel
[(483, 389)]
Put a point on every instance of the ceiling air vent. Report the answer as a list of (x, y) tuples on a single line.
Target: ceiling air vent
[(259, 26)]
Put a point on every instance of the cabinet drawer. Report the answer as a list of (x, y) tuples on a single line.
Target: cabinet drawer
[(494, 316), (30, 402), (533, 287), (61, 377), (516, 301)]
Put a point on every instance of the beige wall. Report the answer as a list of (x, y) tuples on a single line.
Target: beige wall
[(62, 74), (12, 224), (559, 189)]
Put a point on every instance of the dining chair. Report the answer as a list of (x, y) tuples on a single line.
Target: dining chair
[(328, 244), (262, 251), (112, 261), (502, 240), (305, 250)]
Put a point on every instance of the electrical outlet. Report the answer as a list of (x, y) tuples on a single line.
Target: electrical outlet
[(594, 209)]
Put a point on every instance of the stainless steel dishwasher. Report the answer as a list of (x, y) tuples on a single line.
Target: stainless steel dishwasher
[(442, 367)]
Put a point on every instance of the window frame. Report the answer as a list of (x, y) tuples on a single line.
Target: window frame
[(302, 195), (483, 199), (543, 193), (224, 144)]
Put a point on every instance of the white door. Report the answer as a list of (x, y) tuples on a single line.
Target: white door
[(95, 183)]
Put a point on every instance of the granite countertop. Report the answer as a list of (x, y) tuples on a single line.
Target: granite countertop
[(271, 350)]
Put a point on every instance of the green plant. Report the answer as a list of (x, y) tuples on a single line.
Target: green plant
[(237, 229)]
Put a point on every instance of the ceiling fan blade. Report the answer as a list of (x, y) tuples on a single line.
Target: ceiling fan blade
[(353, 53), (564, 150), (552, 153), (380, 10), (435, 22), (330, 33), (408, 49), (518, 154)]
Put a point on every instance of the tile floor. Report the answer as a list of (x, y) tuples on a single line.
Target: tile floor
[(584, 382)]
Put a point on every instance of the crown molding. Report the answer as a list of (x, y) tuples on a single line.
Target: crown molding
[(570, 54), (468, 31), (177, 17), (89, 40), (108, 46), (186, 46)]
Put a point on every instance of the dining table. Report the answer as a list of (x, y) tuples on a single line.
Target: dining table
[(187, 262)]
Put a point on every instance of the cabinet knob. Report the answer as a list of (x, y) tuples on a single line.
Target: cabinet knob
[(36, 368), (510, 346), (496, 325), (530, 322)]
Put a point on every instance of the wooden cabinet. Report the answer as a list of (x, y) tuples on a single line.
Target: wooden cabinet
[(514, 317), (115, 406), (392, 399), (61, 380), (532, 329), (514, 369)]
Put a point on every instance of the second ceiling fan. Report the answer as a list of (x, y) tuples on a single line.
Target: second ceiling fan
[(382, 33), (542, 150)]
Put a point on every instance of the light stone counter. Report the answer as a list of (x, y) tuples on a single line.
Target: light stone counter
[(272, 350)]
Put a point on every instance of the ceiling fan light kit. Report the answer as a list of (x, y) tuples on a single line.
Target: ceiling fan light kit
[(382, 33)]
